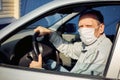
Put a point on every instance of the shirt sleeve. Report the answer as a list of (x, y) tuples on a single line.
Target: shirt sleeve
[(69, 49)]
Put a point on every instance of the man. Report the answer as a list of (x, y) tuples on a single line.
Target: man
[(92, 53)]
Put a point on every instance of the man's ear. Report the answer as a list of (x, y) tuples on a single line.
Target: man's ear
[(101, 28)]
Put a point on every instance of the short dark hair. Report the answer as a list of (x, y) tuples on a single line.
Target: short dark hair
[(97, 13)]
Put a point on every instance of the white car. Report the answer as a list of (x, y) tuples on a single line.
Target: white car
[(17, 40)]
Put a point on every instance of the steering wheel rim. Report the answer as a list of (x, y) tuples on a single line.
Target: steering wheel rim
[(38, 49)]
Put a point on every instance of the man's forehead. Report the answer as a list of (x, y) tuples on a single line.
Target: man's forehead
[(88, 16), (88, 19)]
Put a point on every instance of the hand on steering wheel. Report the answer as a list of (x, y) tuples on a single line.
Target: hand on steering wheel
[(36, 64), (37, 56)]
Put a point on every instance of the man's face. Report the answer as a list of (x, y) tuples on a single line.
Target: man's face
[(90, 21)]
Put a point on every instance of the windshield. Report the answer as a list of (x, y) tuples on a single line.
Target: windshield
[(47, 21)]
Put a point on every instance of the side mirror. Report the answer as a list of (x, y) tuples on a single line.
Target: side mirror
[(70, 28)]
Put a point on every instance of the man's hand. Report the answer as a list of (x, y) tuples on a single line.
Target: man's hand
[(42, 30), (36, 64)]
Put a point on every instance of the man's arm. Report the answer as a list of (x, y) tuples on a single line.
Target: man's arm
[(69, 49)]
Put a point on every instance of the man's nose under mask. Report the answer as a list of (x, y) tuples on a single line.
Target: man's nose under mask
[(87, 35)]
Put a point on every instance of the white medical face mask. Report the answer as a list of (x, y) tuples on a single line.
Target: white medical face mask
[(87, 35)]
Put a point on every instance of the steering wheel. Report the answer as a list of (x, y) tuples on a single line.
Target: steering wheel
[(23, 56), (38, 49)]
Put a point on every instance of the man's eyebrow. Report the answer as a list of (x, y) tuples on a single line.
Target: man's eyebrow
[(80, 25), (88, 25)]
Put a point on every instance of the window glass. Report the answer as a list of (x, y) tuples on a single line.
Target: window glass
[(48, 20)]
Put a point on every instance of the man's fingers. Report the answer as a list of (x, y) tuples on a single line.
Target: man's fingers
[(42, 30), (36, 64), (38, 29), (40, 58), (33, 64)]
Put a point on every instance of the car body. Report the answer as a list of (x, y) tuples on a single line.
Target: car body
[(58, 15)]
